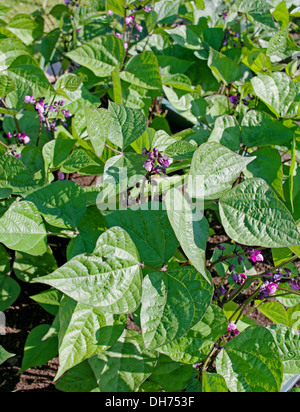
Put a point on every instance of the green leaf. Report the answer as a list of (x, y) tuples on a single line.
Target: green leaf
[(219, 167), (84, 162), (27, 267), (101, 55), (143, 71), (25, 27), (10, 49), (37, 350), (4, 261), (276, 90), (7, 85), (267, 166), (278, 43), (198, 341), (126, 125), (163, 294), (22, 229), (275, 312), (56, 152), (4, 355), (49, 300), (81, 378), (84, 332), (212, 382), (288, 344), (108, 279), (227, 132), (9, 292), (252, 215), (14, 175), (98, 122), (150, 230), (223, 68), (261, 129), (191, 229), (61, 203), (90, 228), (125, 366), (166, 367), (254, 346)]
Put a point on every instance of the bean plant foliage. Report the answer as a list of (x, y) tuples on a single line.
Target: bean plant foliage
[(186, 113)]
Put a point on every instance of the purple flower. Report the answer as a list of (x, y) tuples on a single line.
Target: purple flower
[(110, 12), (118, 35), (29, 99), (272, 288), (164, 161), (66, 113), (233, 328), (9, 135), (149, 165), (264, 294), (240, 259), (61, 176), (40, 107), (233, 99), (221, 247), (126, 46), (294, 284), (139, 27), (231, 268), (256, 256), (239, 279), (277, 277), (129, 19), (147, 9)]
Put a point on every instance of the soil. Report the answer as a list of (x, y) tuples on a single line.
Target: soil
[(25, 314)]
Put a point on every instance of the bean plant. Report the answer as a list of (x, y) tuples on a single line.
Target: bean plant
[(184, 115)]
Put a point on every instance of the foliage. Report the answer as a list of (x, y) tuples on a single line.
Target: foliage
[(188, 113)]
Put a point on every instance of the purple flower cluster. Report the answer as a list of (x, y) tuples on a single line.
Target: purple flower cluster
[(44, 112), (156, 162), (22, 137), (69, 3), (239, 278)]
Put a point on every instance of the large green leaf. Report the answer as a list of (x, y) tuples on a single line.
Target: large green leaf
[(150, 230), (223, 68), (261, 129), (84, 331), (252, 215), (172, 303), (288, 343), (109, 279), (22, 229), (198, 341), (101, 55), (255, 346), (219, 167), (125, 366), (125, 125), (61, 203), (143, 71), (276, 90), (191, 229)]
